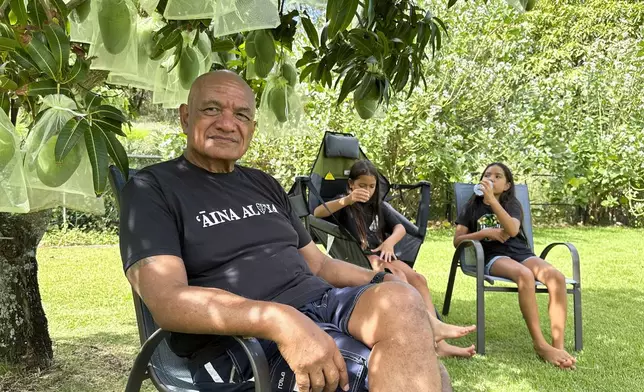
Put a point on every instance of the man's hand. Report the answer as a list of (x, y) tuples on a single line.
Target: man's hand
[(312, 354), (358, 195), (386, 252), (496, 234)]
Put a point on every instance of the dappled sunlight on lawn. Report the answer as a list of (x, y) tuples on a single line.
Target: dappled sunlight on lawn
[(91, 319)]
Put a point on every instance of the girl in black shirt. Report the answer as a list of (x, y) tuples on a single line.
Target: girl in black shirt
[(495, 220), (378, 230)]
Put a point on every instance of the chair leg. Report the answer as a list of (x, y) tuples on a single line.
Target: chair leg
[(579, 341), (480, 317), (450, 287)]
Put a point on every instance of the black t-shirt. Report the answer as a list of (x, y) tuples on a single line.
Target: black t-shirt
[(478, 216), (346, 219), (234, 231)]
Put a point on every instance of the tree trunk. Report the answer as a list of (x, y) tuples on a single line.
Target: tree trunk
[(24, 337)]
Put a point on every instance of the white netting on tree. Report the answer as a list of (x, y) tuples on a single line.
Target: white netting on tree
[(115, 40), (68, 183), (13, 192)]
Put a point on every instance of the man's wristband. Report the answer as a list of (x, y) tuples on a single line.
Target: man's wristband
[(380, 276)]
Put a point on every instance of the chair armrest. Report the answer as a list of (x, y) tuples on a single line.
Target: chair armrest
[(251, 347), (327, 227), (410, 228), (258, 363), (574, 254), (478, 251), (139, 370), (423, 206)]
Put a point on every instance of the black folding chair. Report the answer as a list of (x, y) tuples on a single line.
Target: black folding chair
[(167, 371), (469, 256), (328, 179)]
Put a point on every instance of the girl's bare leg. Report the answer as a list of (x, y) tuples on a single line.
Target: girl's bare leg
[(441, 330), (525, 280)]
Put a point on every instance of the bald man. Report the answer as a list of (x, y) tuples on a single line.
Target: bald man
[(214, 250)]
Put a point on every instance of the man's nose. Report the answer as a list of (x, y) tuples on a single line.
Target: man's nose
[(225, 122)]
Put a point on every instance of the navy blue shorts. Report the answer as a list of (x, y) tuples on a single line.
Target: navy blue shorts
[(232, 372)]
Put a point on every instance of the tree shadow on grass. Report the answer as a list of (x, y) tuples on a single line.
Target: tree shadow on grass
[(98, 362), (612, 358)]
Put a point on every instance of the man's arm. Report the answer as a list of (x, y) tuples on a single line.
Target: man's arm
[(337, 272), (162, 283)]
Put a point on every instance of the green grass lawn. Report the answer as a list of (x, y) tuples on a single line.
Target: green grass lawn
[(91, 319)]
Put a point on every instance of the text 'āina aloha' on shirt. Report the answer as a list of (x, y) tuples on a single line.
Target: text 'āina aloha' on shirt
[(478, 216), (234, 231)]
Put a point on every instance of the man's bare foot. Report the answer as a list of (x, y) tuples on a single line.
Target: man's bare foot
[(449, 331), (559, 358), (444, 349)]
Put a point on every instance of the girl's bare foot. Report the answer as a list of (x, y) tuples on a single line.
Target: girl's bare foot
[(444, 349), (559, 358), (449, 331)]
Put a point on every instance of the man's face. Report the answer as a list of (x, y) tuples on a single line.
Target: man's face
[(219, 120)]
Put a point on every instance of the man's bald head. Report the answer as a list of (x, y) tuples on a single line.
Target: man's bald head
[(220, 77), (219, 120)]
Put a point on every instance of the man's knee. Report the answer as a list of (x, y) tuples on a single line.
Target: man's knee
[(398, 298), (416, 279)]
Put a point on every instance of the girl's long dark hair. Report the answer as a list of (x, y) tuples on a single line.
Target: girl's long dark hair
[(357, 210), (507, 197)]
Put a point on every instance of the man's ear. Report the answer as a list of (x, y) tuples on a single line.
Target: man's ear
[(183, 117)]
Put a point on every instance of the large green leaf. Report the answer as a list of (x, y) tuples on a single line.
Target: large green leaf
[(19, 9), (7, 84), (36, 13), (332, 7), (42, 88), (92, 100), (69, 136), (97, 152), (21, 57), (78, 72), (223, 45), (402, 73), (365, 42), (7, 44), (310, 30), (344, 14), (351, 80), (108, 111), (117, 153), (6, 32), (109, 125), (59, 45), (42, 57), (171, 40), (308, 70)]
